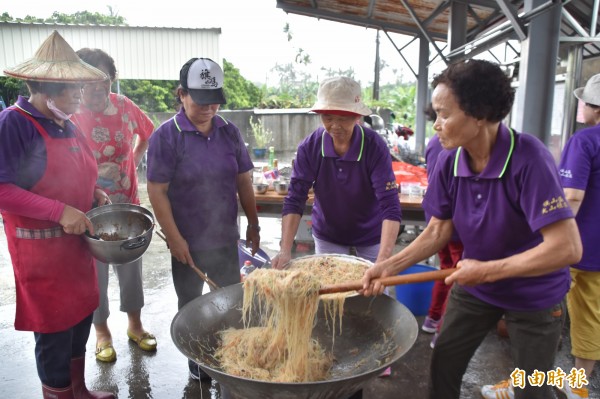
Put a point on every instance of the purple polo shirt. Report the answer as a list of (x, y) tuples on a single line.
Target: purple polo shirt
[(22, 148), (580, 169), (499, 212), (431, 155), (202, 175), (353, 193)]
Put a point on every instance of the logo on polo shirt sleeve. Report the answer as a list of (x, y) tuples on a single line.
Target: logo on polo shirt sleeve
[(391, 185), (566, 173), (554, 204)]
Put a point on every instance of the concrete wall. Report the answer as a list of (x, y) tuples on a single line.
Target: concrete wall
[(289, 126)]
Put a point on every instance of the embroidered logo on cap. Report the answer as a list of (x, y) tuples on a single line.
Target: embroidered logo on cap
[(208, 80)]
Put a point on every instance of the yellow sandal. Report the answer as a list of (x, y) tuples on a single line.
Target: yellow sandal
[(105, 352), (146, 341)]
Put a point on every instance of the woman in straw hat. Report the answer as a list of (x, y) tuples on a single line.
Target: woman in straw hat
[(356, 202), (47, 183), (350, 167), (580, 177)]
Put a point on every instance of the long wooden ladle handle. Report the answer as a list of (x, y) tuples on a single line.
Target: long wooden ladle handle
[(212, 284), (390, 280)]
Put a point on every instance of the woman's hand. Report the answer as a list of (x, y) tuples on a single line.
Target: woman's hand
[(101, 197), (469, 272), (74, 221), (253, 237), (281, 259), (371, 288), (180, 250)]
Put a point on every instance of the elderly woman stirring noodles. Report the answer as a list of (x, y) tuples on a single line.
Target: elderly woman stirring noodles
[(500, 190)]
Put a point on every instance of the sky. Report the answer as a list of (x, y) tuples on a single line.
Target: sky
[(252, 36)]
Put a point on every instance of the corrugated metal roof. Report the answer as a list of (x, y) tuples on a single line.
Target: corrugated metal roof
[(139, 52), (388, 15), (414, 17)]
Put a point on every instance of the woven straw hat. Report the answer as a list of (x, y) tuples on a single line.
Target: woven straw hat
[(340, 94), (56, 61), (591, 92)]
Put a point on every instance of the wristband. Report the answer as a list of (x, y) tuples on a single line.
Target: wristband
[(254, 226)]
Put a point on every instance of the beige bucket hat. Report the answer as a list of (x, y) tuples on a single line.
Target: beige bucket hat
[(591, 92), (340, 94), (56, 61)]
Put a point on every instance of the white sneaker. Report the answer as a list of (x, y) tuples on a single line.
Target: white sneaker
[(575, 393), (502, 390)]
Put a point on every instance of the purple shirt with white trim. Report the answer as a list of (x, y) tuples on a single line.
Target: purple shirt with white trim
[(354, 193), (580, 169), (432, 151), (202, 175), (499, 212)]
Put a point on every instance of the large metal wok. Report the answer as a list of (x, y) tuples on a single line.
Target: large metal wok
[(376, 332)]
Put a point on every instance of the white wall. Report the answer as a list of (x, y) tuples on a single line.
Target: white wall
[(139, 52)]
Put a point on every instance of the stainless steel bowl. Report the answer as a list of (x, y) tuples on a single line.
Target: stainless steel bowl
[(124, 232), (281, 187), (260, 188)]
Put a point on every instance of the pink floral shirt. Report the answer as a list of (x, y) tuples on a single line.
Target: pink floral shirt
[(111, 134)]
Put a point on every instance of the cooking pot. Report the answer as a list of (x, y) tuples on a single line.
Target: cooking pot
[(376, 332), (122, 232)]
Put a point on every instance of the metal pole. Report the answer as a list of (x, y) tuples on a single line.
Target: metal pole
[(377, 65), (572, 81)]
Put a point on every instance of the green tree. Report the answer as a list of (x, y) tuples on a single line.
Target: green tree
[(80, 17), (10, 88), (86, 17), (150, 95), (239, 92), (398, 97)]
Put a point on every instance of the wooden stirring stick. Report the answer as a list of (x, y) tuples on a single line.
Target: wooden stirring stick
[(212, 284), (390, 280)]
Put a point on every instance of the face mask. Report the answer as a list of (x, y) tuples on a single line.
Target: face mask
[(57, 112)]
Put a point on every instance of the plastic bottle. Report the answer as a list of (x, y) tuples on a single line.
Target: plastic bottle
[(246, 270), (276, 168), (271, 156)]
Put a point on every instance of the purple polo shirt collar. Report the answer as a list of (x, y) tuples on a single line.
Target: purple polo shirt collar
[(354, 153), (25, 105), (499, 158), (183, 124)]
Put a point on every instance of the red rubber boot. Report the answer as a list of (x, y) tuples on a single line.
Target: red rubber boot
[(78, 382), (57, 393)]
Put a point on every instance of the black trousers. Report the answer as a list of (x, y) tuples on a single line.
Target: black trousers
[(534, 338), (222, 265)]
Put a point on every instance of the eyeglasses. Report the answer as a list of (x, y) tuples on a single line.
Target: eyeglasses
[(97, 85)]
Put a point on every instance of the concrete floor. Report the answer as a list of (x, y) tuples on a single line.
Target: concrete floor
[(164, 374)]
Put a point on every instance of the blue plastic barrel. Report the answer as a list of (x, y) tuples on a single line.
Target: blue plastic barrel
[(416, 297)]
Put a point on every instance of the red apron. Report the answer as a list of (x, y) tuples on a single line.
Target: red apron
[(55, 274)]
